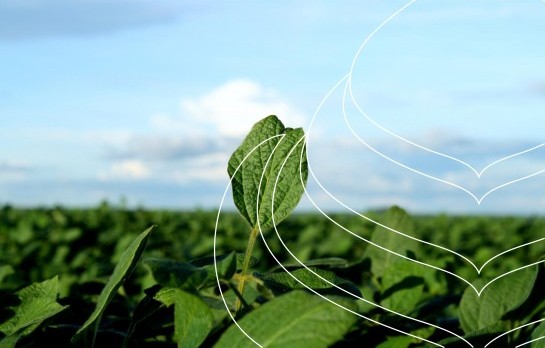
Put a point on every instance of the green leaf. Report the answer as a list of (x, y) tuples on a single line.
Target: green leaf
[(295, 320), (480, 338), (539, 335), (263, 165), (190, 276), (498, 299), (397, 342), (38, 302), (250, 158), (399, 220), (226, 265), (5, 270), (251, 294), (282, 281), (193, 319), (209, 260), (403, 284), (122, 270), (166, 296), (148, 319), (174, 274), (328, 262)]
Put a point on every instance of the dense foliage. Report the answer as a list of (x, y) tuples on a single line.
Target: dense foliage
[(91, 277), (77, 250)]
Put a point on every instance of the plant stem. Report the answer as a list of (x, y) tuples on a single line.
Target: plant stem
[(246, 265), (239, 296)]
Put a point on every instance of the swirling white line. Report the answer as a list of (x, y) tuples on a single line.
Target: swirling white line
[(302, 283), (478, 269), (477, 173)]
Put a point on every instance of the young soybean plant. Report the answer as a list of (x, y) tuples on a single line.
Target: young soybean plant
[(268, 174)]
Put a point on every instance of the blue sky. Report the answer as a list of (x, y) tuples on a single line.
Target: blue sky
[(147, 99)]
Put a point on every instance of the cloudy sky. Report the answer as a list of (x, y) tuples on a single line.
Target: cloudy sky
[(147, 99)]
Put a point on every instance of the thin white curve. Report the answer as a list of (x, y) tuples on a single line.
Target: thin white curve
[(530, 341), (257, 209), (378, 125), (510, 183), (512, 330), (510, 156), (318, 109), (509, 250), (215, 239), (478, 200), (507, 273), (377, 245), (478, 269), (295, 278), (319, 276), (478, 292), (477, 173)]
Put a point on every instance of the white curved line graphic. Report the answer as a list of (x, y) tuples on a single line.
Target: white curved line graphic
[(477, 269), (477, 173)]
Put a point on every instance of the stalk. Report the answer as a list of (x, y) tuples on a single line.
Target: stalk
[(246, 265)]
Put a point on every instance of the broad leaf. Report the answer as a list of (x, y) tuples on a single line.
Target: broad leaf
[(270, 154), (397, 342), (480, 338), (399, 220), (283, 281), (327, 262), (403, 285), (226, 266), (539, 336), (122, 270), (148, 319), (171, 273), (209, 260), (5, 270), (191, 276), (251, 294), (38, 302), (499, 298), (295, 320), (193, 319)]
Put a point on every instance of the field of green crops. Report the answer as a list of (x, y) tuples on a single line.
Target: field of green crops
[(169, 298), (117, 277)]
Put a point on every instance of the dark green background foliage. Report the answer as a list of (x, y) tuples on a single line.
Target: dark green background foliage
[(70, 255)]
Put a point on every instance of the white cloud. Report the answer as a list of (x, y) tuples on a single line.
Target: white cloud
[(230, 109), (113, 137), (127, 170), (203, 168), (14, 170), (163, 147), (210, 168)]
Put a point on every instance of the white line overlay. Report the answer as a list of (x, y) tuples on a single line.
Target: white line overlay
[(348, 94), (478, 173)]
